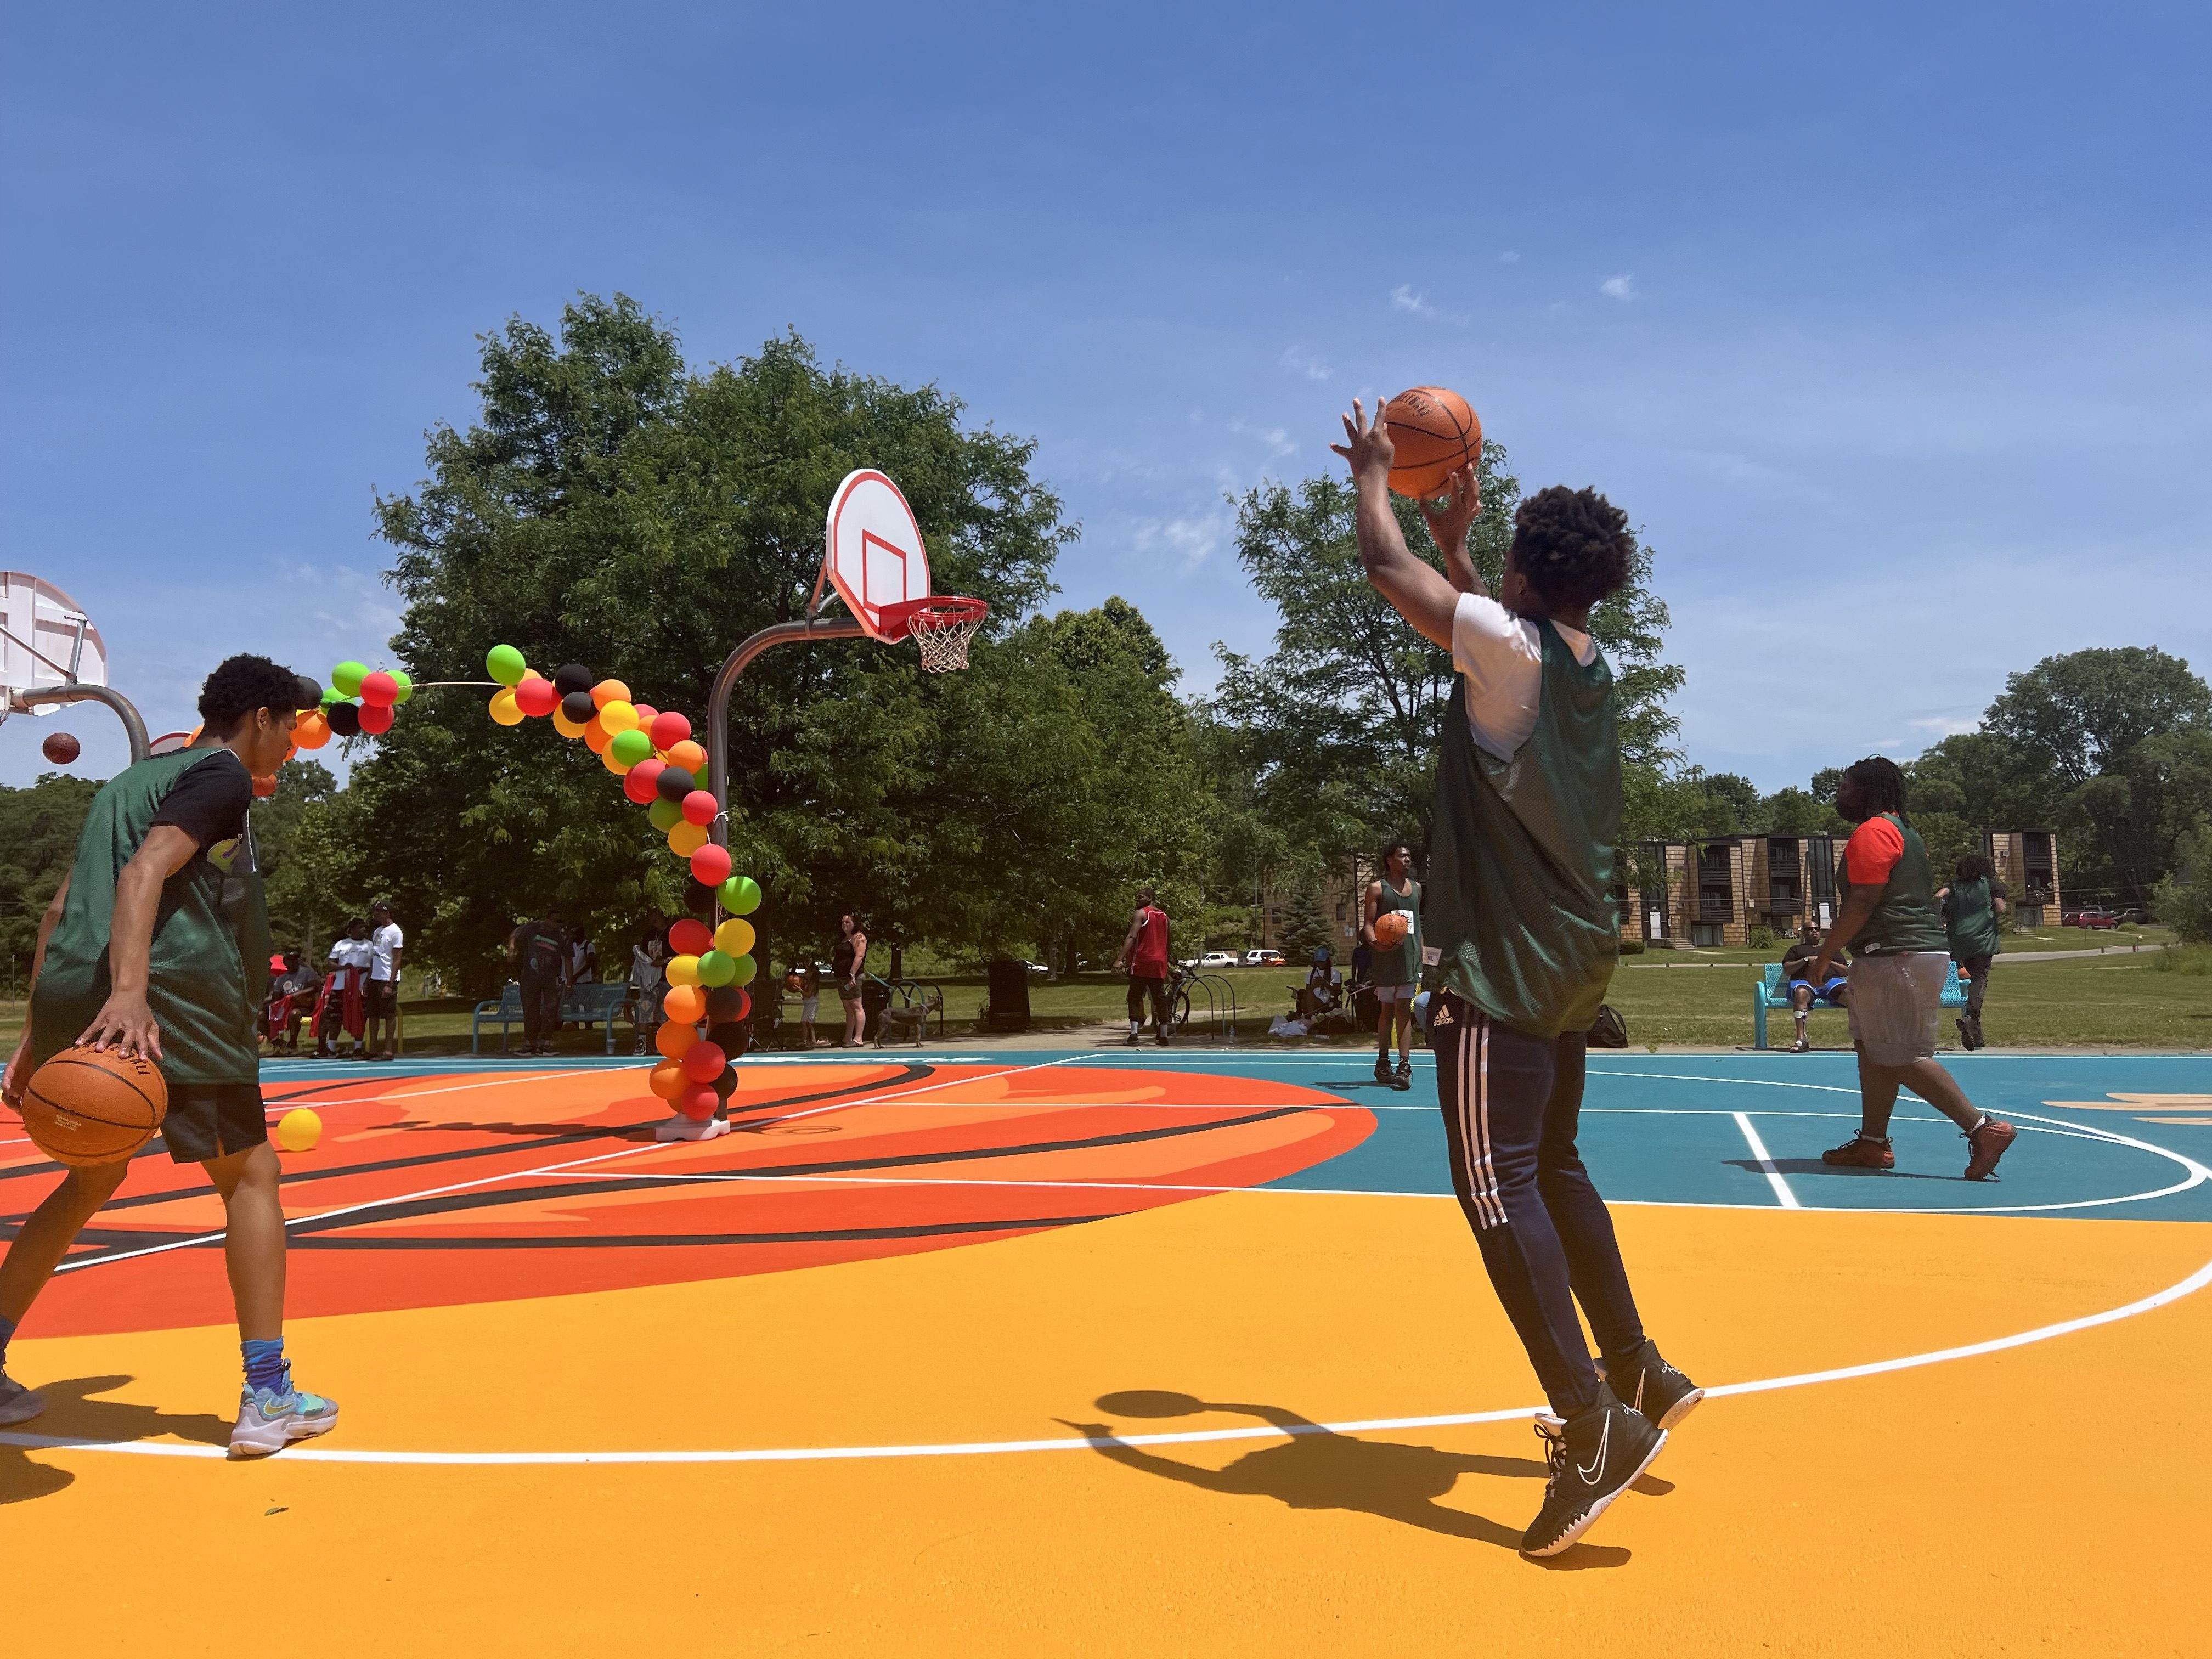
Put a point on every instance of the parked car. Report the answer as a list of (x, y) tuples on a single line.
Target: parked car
[(1218, 959), (1263, 958), (1036, 968), (2093, 917)]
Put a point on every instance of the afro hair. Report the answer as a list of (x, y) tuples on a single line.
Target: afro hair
[(1573, 546), (240, 685)]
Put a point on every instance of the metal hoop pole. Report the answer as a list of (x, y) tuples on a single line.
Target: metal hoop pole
[(133, 728), (718, 700)]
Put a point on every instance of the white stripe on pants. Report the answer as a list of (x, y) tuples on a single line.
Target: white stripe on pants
[(1475, 1125)]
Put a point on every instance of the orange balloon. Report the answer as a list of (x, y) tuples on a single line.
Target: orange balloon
[(689, 756), (311, 730), (597, 737), (675, 1038), (667, 1080), (686, 1003), (567, 727), (607, 757), (264, 787), (607, 691)]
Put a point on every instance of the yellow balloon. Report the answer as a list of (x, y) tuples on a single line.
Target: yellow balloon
[(734, 937), (687, 838), (298, 1130), (682, 970), (504, 709), (617, 716), (567, 727)]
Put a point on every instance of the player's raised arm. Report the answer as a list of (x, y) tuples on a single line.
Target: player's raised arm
[(1413, 586), (1449, 525)]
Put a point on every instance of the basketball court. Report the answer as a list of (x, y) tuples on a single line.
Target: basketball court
[(1115, 1350)]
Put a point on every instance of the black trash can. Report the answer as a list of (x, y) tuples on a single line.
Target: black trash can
[(1010, 995)]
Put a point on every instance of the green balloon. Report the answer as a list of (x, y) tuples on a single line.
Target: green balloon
[(741, 895), (505, 663), (666, 815), (347, 678), (716, 969), (630, 747), (406, 684), (331, 694), (747, 968)]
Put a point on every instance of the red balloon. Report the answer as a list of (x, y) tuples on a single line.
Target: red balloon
[(645, 713), (376, 718), (668, 730), (263, 788), (637, 782), (379, 689), (700, 807), (703, 1061), (536, 697), (690, 937), (698, 1101), (711, 865)]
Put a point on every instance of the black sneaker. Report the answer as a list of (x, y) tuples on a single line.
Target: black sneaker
[(1595, 1458), (1645, 1382), (1382, 1067), (1133, 1040), (1402, 1079), (1162, 1032)]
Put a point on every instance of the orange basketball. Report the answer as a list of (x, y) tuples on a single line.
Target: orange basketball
[(1435, 434), (87, 1107), (1390, 928)]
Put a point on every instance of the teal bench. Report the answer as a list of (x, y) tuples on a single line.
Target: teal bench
[(584, 1005), (1769, 991)]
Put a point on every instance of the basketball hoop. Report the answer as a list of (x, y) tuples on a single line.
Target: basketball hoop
[(940, 627)]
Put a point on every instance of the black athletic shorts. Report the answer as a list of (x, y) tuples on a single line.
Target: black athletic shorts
[(208, 1121), (381, 998)]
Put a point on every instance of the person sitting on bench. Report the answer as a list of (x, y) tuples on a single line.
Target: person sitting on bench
[(1834, 992)]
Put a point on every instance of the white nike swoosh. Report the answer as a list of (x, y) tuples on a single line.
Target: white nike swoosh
[(1589, 1475)]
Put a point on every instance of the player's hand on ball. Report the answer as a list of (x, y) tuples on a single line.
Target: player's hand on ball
[(125, 1023), (18, 1074), (1370, 451), (1448, 516)]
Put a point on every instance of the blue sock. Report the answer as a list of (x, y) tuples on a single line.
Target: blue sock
[(264, 1365), (7, 1330)]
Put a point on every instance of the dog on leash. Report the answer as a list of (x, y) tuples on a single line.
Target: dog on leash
[(910, 1023)]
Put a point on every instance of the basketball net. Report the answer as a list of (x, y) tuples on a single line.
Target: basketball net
[(940, 627)]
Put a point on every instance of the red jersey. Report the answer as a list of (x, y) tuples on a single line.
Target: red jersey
[(1150, 959)]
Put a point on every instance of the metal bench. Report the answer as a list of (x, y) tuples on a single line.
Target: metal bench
[(1772, 991), (584, 1005)]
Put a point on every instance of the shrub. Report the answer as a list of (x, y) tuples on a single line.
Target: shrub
[(2184, 959), (2185, 898), (1631, 947), (1762, 938)]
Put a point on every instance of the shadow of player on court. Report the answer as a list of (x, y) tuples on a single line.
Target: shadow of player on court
[(1813, 1166), (72, 1413), (1317, 1468)]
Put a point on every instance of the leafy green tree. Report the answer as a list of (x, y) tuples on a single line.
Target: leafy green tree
[(1305, 929), (38, 828), (2185, 897), (2079, 714), (1793, 811), (294, 829)]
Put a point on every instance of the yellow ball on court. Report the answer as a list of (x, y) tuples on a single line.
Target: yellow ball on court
[(298, 1130)]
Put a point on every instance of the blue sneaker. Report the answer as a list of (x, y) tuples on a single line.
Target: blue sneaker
[(269, 1421), (17, 1403)]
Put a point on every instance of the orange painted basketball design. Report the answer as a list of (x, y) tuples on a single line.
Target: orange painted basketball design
[(1435, 434), (1390, 928), (87, 1107)]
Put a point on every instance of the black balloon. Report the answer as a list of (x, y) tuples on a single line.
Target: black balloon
[(578, 708), (726, 1085), (698, 897), (728, 1003), (309, 695), (571, 677), (674, 783), (733, 1036), (344, 719)]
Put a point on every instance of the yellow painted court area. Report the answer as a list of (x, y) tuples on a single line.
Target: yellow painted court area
[(2044, 1499)]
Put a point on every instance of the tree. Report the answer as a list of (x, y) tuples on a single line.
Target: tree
[(1305, 929), (611, 506), (293, 832), (38, 829), (2185, 897), (2079, 714)]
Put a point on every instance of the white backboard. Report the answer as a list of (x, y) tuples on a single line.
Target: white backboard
[(873, 548), (44, 636)]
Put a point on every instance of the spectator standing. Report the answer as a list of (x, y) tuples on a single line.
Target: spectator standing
[(539, 951), (1144, 954), (385, 945), (341, 1006), (1972, 904), (848, 960), (648, 979)]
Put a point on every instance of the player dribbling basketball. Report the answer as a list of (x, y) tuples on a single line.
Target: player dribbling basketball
[(150, 946), (1521, 904)]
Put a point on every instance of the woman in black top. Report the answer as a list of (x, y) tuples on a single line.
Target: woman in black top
[(848, 958)]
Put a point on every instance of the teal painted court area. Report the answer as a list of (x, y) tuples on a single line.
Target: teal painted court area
[(2103, 1137)]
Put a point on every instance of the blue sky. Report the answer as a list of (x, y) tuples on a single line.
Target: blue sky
[(1887, 325)]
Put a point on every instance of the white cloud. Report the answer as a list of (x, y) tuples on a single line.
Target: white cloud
[(1404, 299), (1508, 258), (1191, 540), (1618, 288), (1299, 363), (1279, 441)]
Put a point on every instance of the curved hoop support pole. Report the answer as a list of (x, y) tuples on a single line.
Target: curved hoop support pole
[(133, 728), (718, 701)]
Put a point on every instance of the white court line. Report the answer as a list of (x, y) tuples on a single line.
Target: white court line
[(2195, 1281), (1783, 1195)]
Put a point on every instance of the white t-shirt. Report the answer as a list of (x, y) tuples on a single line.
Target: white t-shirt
[(350, 953), (1503, 657), (381, 943)]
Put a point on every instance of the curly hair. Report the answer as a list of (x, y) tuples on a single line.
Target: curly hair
[(1880, 784), (1573, 546), (1973, 867), (241, 684)]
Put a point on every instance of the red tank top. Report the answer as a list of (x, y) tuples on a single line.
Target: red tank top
[(1150, 960)]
